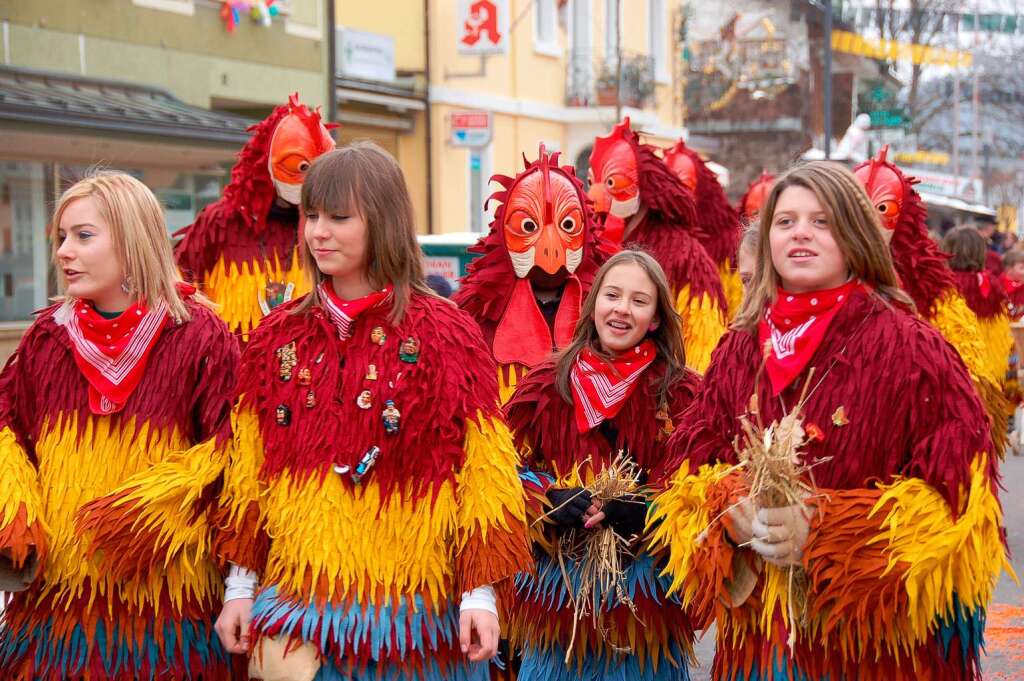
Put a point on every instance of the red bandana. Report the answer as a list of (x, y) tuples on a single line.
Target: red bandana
[(600, 388), (523, 336), (343, 313), (1010, 285), (796, 324), (112, 353)]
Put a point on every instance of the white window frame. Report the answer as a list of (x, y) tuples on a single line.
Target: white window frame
[(657, 39), (486, 212), (186, 7), (581, 42), (610, 46), (546, 11)]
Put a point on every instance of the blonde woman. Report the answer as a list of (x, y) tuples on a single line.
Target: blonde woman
[(129, 375), (900, 544)]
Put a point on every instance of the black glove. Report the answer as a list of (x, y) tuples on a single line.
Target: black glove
[(568, 506), (626, 515)]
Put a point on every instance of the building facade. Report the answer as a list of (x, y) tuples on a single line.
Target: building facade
[(158, 88)]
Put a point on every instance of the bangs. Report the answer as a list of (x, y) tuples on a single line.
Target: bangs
[(330, 185)]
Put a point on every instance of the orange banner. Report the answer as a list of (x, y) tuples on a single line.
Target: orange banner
[(879, 48)]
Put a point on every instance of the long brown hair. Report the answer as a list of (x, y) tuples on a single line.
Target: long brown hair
[(138, 231), (855, 227), (967, 247), (363, 179), (667, 337)]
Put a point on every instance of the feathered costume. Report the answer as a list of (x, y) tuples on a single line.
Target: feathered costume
[(116, 599), (925, 275), (242, 250), (660, 636), (629, 178), (985, 296), (718, 219), (543, 236), (373, 481), (750, 203), (905, 544)]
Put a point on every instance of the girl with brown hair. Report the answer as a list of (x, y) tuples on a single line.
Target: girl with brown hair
[(615, 388), (126, 380), (885, 569), (372, 513)]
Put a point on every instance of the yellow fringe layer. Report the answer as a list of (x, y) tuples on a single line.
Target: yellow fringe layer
[(733, 287), (509, 376), (241, 478), (489, 488), (959, 325), (355, 543), (703, 325), (946, 556), (997, 344), (235, 288), (76, 468), (156, 516), (677, 519), (21, 521)]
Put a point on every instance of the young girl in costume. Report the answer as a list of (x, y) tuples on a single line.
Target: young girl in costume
[(128, 376), (899, 546), (614, 388), (372, 509)]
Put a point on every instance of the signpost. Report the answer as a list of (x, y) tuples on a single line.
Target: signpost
[(470, 128), (482, 26)]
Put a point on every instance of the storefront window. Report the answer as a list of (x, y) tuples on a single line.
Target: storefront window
[(28, 194), (25, 189)]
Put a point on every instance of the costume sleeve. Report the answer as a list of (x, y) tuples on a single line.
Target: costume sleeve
[(240, 537), (22, 533), (920, 553), (491, 523), (161, 513)]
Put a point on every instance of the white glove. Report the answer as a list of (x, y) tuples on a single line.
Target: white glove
[(781, 533)]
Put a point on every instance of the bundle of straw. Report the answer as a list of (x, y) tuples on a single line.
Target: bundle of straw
[(600, 554), (774, 475)]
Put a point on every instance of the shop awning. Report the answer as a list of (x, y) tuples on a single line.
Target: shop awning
[(73, 103), (956, 204)]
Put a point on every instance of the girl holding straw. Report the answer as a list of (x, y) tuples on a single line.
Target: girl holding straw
[(860, 538), (593, 421)]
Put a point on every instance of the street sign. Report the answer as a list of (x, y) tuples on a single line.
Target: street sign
[(367, 56), (482, 26), (470, 128), (887, 118)]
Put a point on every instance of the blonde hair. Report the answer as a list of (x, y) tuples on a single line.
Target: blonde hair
[(855, 228), (138, 231), (667, 337), (364, 179)]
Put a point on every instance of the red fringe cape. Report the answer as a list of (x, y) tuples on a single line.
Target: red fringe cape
[(245, 217)]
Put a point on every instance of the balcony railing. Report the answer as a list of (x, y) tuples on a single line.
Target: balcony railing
[(591, 82)]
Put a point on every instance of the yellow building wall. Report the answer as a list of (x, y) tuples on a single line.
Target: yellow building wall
[(403, 20)]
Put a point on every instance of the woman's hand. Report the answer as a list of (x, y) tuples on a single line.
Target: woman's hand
[(479, 632), (233, 625), (781, 533)]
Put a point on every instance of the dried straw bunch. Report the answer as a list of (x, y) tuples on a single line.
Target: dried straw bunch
[(774, 475), (600, 554)]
